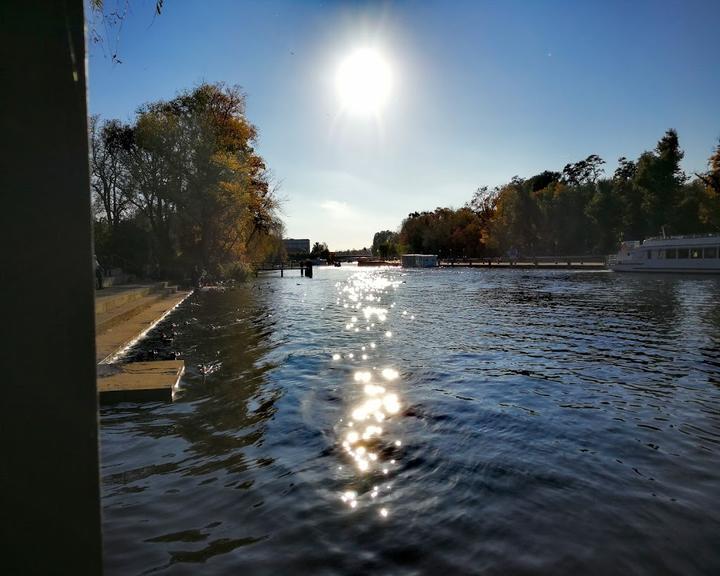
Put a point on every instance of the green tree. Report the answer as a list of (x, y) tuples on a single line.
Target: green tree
[(659, 178), (709, 211), (385, 243), (584, 171), (197, 184), (629, 195), (320, 250), (517, 215), (605, 209)]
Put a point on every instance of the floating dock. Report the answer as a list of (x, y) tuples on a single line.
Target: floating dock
[(139, 381)]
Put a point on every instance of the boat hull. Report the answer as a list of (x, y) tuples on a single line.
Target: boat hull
[(692, 254), (664, 269)]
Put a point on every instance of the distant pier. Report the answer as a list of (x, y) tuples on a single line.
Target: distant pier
[(539, 263)]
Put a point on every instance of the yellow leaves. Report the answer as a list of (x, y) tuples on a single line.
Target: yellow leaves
[(199, 164), (227, 161)]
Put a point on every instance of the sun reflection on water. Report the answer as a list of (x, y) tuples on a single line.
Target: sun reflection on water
[(364, 432)]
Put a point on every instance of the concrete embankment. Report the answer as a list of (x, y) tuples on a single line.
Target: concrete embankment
[(123, 315)]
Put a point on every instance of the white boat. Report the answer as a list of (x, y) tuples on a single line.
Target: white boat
[(696, 254)]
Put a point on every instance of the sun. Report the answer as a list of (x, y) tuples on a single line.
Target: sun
[(363, 82)]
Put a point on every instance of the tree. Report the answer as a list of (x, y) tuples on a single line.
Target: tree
[(385, 243), (320, 250), (632, 225), (543, 180), (573, 212), (105, 23), (517, 215), (108, 169), (584, 171), (605, 209), (195, 182), (659, 178), (709, 210)]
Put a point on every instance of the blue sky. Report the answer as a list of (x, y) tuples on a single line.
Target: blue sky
[(482, 91)]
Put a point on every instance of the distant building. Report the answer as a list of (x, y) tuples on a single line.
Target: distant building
[(296, 246), (419, 260)]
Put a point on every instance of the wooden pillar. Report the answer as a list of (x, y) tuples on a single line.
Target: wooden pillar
[(49, 477)]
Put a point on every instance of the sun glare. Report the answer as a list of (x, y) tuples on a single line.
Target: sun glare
[(363, 82)]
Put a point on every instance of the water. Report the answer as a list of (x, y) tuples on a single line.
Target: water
[(525, 422)]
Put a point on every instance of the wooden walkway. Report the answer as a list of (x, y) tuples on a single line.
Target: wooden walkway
[(544, 263), (282, 267)]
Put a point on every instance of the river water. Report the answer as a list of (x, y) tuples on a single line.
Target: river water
[(426, 422)]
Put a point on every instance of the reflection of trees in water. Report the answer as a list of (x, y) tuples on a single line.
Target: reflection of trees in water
[(655, 301), (207, 441), (222, 336), (602, 297)]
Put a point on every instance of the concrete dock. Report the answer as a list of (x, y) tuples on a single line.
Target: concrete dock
[(123, 315), (138, 381)]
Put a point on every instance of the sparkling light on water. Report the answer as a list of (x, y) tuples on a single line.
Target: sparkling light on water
[(363, 440)]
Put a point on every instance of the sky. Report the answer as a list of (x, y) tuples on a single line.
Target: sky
[(479, 92)]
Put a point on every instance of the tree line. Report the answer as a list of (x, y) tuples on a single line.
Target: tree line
[(577, 211), (182, 188)]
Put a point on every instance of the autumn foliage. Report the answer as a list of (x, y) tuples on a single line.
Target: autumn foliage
[(576, 211), (183, 187)]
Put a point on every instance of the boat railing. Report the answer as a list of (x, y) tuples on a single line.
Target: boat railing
[(683, 236)]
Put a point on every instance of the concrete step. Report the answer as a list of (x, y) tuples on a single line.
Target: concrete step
[(117, 296), (119, 327), (139, 381), (119, 314)]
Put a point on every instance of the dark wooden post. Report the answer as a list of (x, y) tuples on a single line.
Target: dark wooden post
[(49, 477)]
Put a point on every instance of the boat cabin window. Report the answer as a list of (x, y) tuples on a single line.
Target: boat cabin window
[(683, 253), (670, 253), (711, 252), (649, 254), (660, 254), (695, 253)]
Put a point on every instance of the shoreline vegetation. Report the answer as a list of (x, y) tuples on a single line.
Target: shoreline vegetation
[(181, 188), (577, 211)]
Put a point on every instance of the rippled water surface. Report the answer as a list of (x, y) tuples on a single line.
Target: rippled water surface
[(426, 422)]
